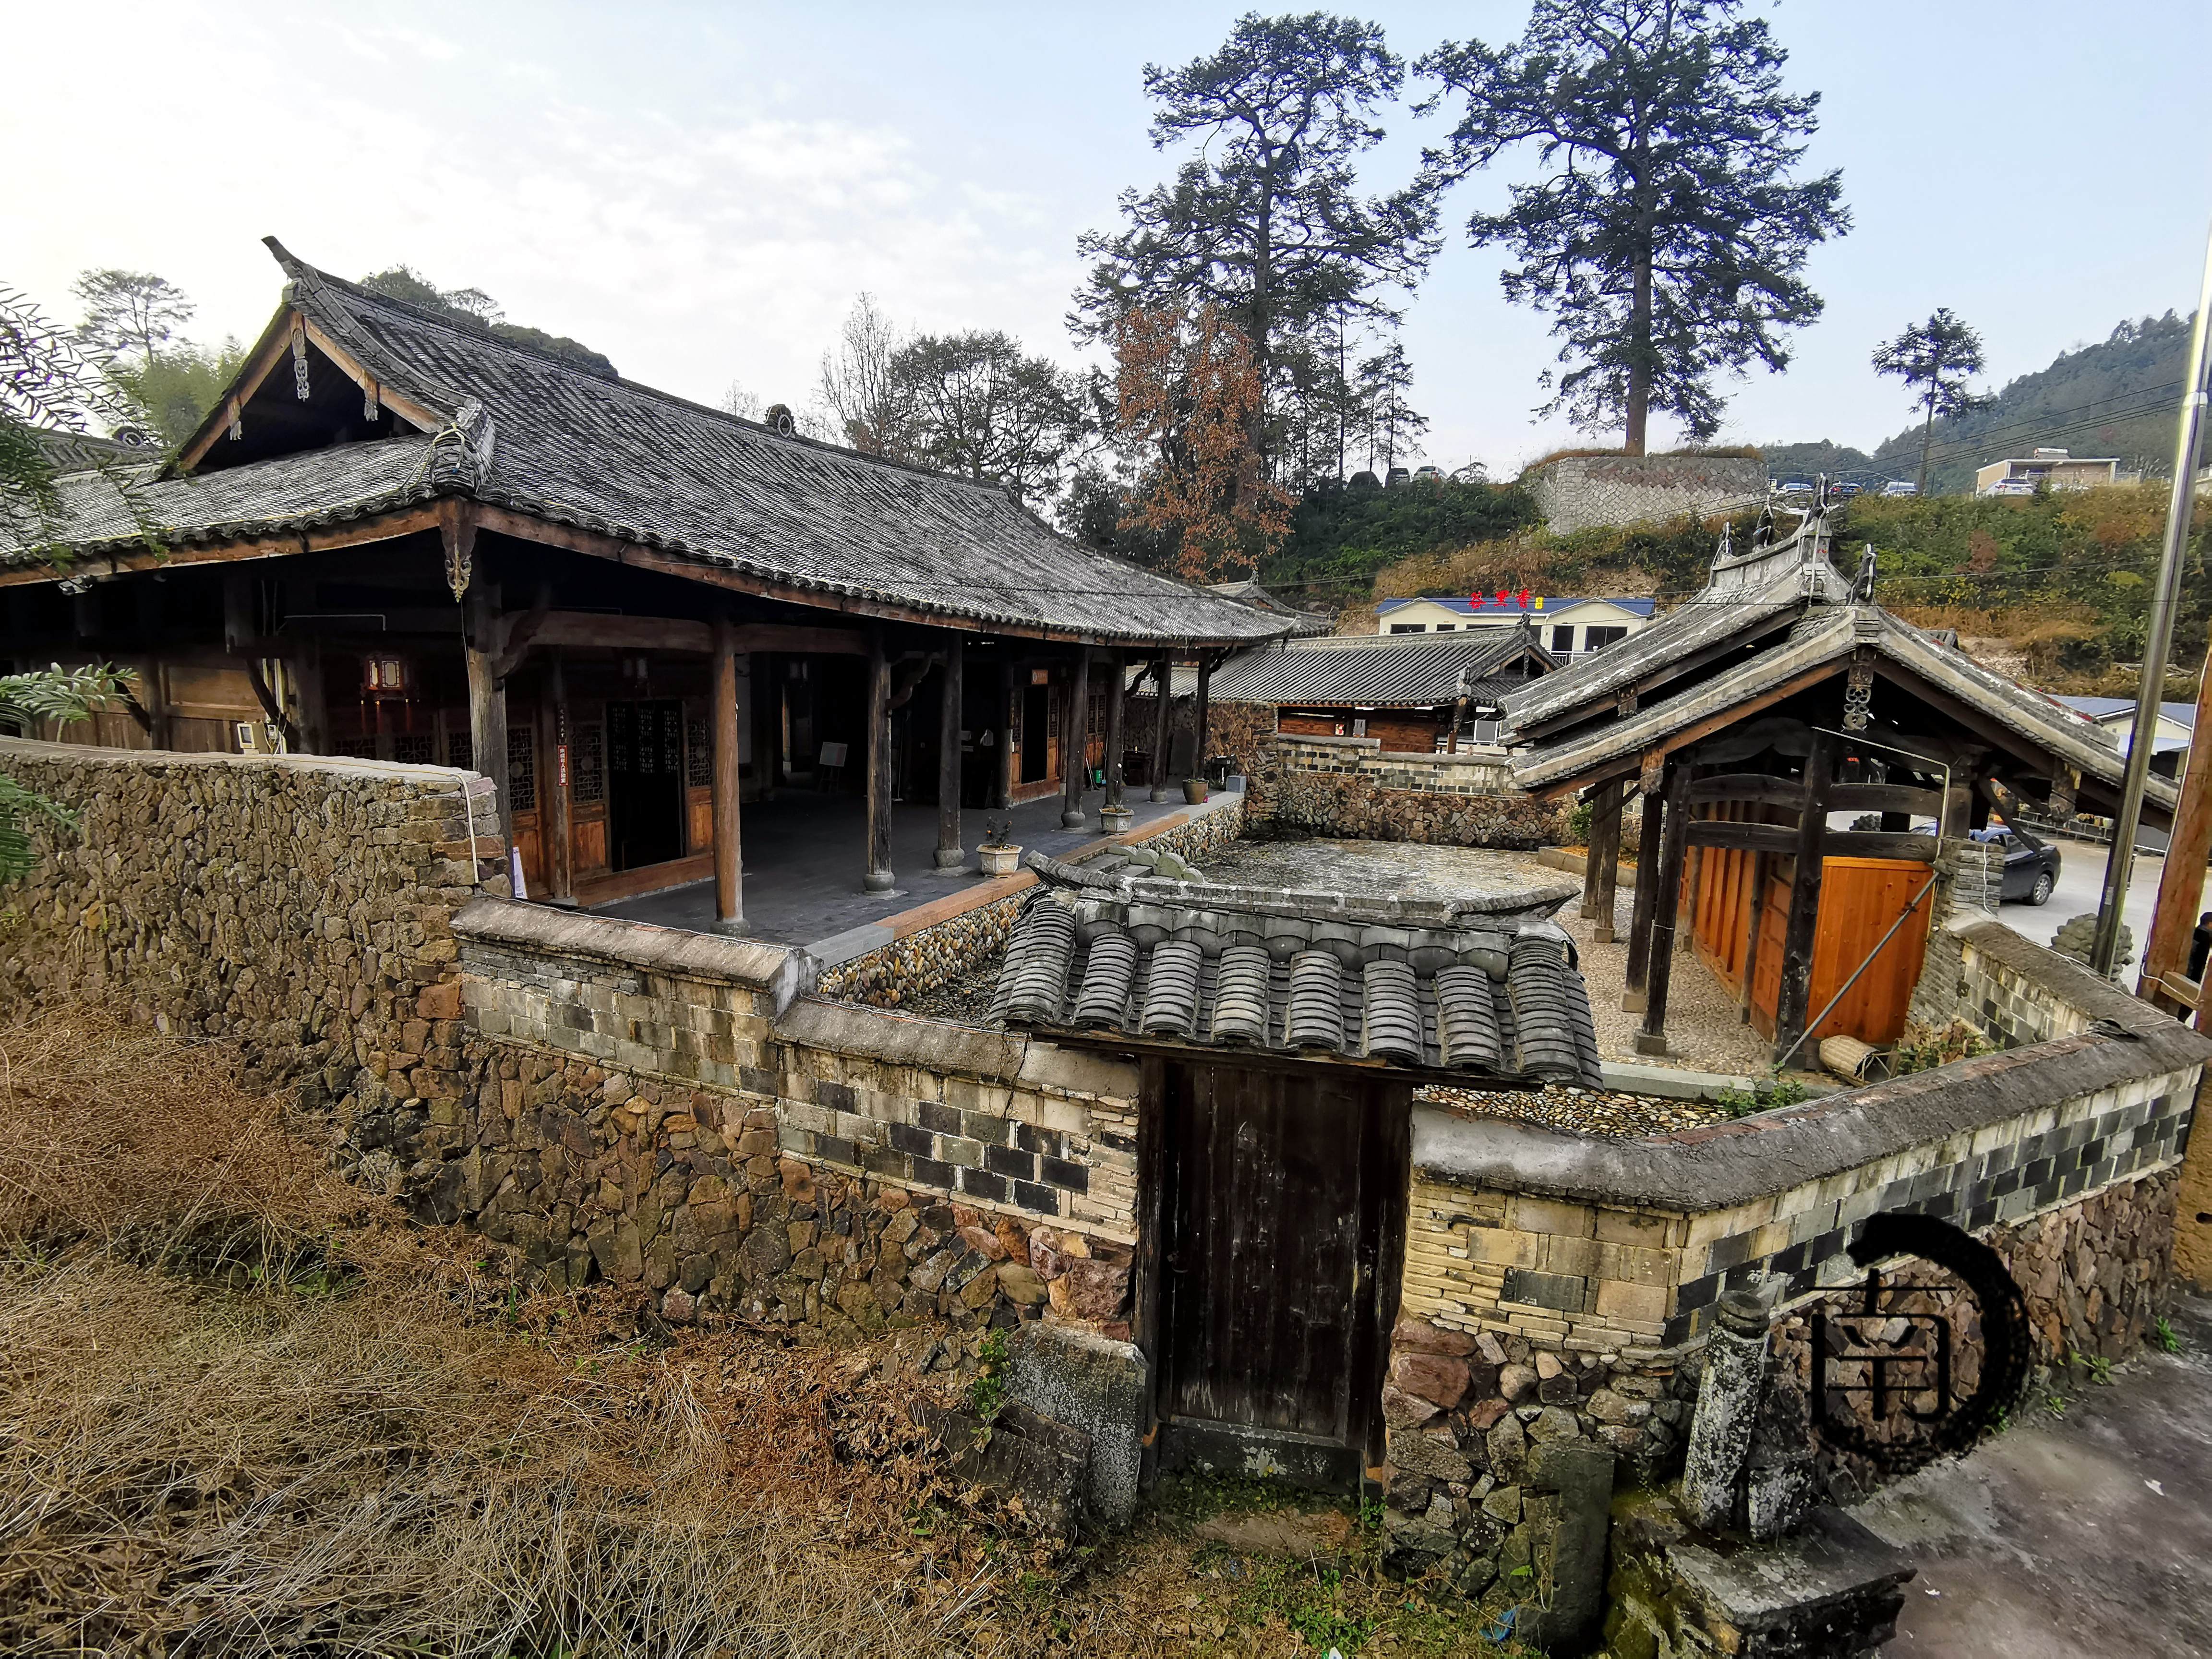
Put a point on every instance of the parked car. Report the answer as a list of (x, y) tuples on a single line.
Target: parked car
[(1844, 492), (1428, 475), (1794, 487), (1394, 477), (2012, 487), (2031, 865), (1900, 487)]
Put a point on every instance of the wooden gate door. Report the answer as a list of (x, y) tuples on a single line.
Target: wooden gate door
[(1280, 1236)]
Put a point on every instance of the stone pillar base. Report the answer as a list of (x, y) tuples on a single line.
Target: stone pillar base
[(1647, 1042), (733, 926), (1632, 1002), (878, 881), (1602, 935), (1158, 794), (951, 858), (1074, 819)]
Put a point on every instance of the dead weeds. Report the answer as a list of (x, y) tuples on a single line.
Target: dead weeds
[(247, 1410)]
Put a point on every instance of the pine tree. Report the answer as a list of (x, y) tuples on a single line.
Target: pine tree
[(1266, 220), (1934, 359), (1663, 229), (130, 311)]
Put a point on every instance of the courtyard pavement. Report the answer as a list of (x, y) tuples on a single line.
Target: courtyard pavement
[(805, 853), (2089, 1533)]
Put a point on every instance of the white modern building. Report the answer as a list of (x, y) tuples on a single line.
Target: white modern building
[(2055, 467), (1564, 626)]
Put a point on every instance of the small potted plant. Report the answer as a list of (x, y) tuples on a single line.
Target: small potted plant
[(1193, 790), (999, 856)]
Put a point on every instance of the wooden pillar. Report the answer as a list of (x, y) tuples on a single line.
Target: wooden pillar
[(1759, 866), (2181, 883), (1072, 729), (1164, 689), (1792, 1005), (1660, 965), (1002, 787), (314, 699), (950, 855), (1117, 675), (1693, 882), (154, 696), (1602, 868), (1202, 729), (1647, 896), (555, 817), (878, 879), (729, 842), (488, 701)]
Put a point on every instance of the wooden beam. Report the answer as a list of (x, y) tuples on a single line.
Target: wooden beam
[(1735, 714), (729, 855), (1760, 787), (1759, 863), (556, 812), (134, 558), (274, 346), (1117, 679), (487, 707), (419, 416), (1072, 742), (1795, 992), (1742, 837), (950, 855), (1659, 966), (1886, 798), (1647, 895), (1163, 691), (878, 877), (1900, 844)]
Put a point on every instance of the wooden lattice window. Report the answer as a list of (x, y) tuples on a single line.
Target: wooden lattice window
[(587, 763), (521, 769)]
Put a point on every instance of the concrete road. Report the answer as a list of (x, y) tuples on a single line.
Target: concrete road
[(2085, 1534), (2081, 884)]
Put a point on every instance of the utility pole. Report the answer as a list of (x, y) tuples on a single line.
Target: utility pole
[(2144, 738)]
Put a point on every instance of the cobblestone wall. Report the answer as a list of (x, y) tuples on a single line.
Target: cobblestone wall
[(1581, 492), (1352, 788), (299, 905), (667, 1108)]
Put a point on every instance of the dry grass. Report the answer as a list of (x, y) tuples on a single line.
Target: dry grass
[(247, 1411)]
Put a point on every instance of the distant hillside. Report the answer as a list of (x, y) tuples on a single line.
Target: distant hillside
[(2116, 397)]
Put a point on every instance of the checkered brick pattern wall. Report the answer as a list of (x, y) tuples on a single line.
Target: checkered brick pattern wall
[(2015, 1008), (1603, 1279), (1066, 1154)]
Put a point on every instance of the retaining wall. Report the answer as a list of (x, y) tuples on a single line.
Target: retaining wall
[(1354, 789), (1580, 491), (1578, 1276)]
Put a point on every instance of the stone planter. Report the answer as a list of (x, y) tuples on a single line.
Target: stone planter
[(999, 860), (1193, 790), (1115, 819)]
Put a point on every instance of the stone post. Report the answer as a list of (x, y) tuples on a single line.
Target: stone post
[(1727, 1409)]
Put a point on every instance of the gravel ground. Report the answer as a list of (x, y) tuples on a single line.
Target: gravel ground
[(1601, 1112), (1704, 1033)]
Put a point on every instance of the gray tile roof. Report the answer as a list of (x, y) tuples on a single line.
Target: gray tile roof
[(545, 438), (1404, 672), (1484, 992)]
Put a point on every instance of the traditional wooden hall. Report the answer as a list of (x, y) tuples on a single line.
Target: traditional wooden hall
[(645, 621), (1777, 699)]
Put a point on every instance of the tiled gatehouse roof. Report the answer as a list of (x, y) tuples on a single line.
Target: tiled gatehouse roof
[(1486, 990)]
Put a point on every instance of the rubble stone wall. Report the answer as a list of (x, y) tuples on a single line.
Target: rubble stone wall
[(300, 906), (1352, 788), (1557, 1288), (1578, 492)]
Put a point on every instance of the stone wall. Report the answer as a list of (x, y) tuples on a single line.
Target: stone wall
[(1578, 492), (1567, 1283), (1352, 788), (639, 1104), (298, 905)]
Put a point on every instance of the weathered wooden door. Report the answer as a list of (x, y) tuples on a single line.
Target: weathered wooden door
[(1281, 1234)]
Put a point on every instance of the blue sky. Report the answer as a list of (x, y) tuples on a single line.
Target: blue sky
[(698, 191)]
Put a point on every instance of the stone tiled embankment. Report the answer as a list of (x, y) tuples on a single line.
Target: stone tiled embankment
[(299, 905), (1350, 788)]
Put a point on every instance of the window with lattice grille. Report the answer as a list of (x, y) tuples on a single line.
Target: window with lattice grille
[(588, 763), (699, 753), (521, 769)]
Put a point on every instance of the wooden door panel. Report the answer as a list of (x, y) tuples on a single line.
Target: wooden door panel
[(1860, 899), (1279, 1192)]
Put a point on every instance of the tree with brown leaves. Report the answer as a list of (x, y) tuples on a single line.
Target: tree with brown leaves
[(1187, 390)]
